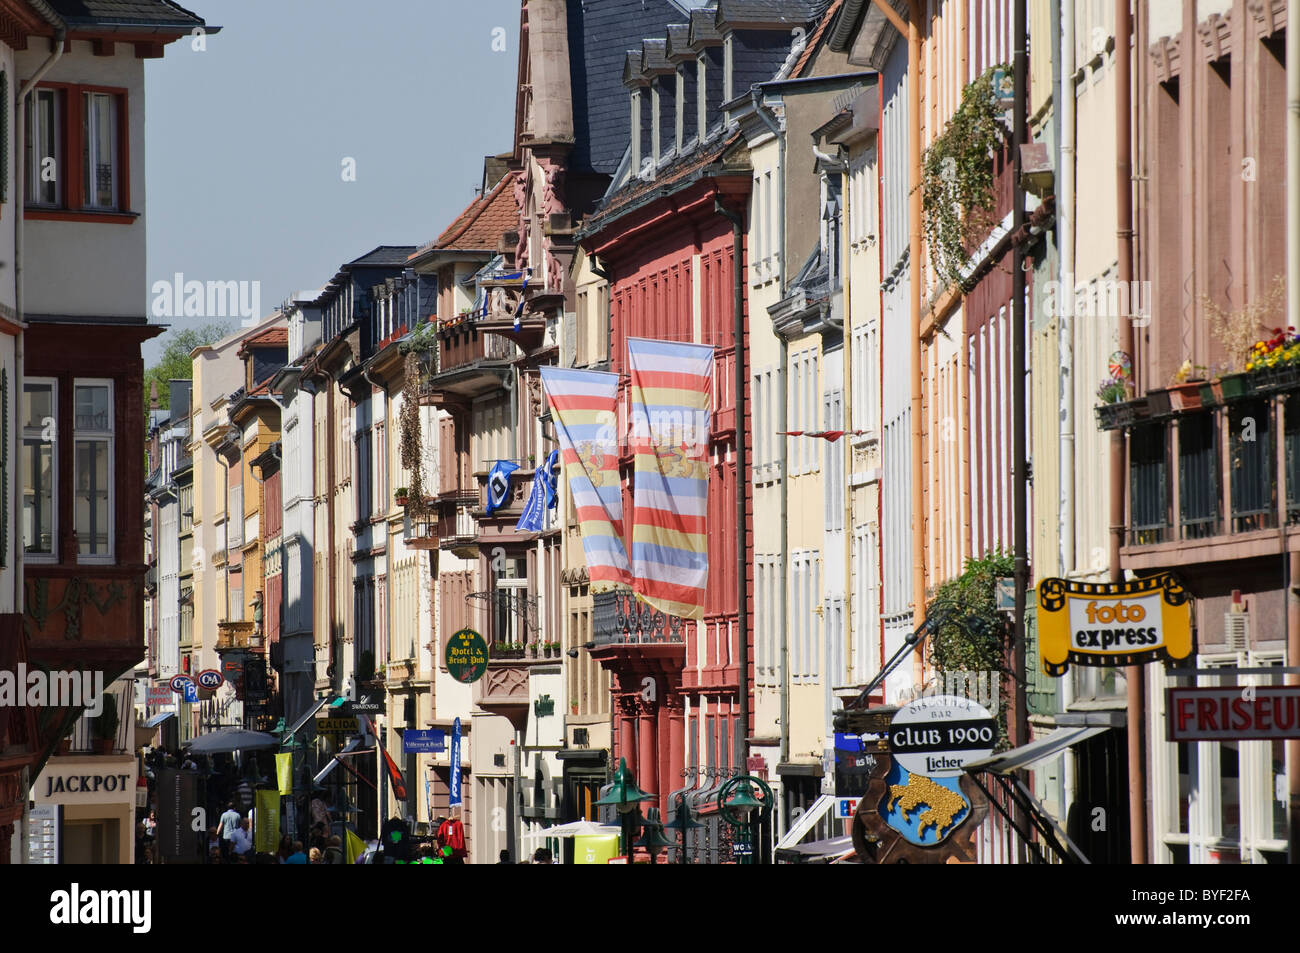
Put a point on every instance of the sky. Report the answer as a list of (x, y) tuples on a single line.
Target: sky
[(247, 140)]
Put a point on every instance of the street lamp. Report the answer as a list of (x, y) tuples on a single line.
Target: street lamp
[(625, 797), (743, 811), (683, 821), (652, 836)]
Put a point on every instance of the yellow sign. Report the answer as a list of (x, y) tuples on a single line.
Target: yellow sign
[(335, 726), (595, 848), (266, 822), (1113, 623), (284, 773)]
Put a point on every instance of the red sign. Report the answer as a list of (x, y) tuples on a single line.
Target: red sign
[(159, 694), (1228, 713), (757, 766)]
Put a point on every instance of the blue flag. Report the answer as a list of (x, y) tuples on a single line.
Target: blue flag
[(550, 473), (499, 485), (533, 518), (453, 796)]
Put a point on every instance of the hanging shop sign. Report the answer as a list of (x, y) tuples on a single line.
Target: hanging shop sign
[(335, 726), (210, 679), (416, 740), (1233, 713), (466, 656), (1112, 624), (936, 735), (180, 684)]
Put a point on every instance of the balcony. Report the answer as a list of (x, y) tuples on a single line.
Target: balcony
[(470, 362), (237, 635), (625, 630), (457, 528), (1209, 479), (420, 532)]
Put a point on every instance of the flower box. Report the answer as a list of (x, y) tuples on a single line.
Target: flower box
[(1185, 396), (1232, 387), (1124, 413), (1209, 394), (1158, 403), (1277, 377)]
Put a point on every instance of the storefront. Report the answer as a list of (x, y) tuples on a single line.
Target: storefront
[(93, 798)]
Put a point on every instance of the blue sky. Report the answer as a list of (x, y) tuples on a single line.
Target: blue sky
[(246, 140)]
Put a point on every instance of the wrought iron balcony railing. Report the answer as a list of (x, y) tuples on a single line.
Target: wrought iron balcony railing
[(618, 619)]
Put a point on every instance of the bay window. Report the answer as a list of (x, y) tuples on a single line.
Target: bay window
[(76, 152)]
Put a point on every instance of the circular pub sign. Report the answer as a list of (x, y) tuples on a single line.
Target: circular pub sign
[(937, 735), (466, 656)]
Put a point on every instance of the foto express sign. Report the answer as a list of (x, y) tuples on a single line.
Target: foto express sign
[(1112, 624), (937, 735)]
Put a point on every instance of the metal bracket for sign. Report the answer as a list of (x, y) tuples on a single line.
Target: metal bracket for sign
[(1235, 670)]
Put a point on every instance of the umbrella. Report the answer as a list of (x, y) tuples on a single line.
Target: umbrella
[(574, 829), (225, 740)]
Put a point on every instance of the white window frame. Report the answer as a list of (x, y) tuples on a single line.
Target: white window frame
[(109, 437), (35, 433), (1204, 816)]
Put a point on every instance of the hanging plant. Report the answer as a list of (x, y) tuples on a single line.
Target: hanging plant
[(410, 444), (957, 179)]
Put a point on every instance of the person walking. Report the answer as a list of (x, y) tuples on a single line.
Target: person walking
[(243, 839), (298, 856), (229, 823), (334, 852)]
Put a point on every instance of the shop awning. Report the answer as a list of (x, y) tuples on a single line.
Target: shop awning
[(334, 761), (818, 851), (1000, 770), (807, 821), (1051, 744), (159, 718), (315, 706)]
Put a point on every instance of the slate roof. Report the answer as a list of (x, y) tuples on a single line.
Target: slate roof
[(794, 12), (679, 42), (654, 58), (150, 14), (703, 29), (384, 255), (600, 34)]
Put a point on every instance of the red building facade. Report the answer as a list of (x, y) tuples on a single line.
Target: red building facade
[(677, 683)]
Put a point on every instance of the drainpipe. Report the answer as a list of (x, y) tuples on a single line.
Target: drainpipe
[(742, 479), (782, 424), (1124, 273), (20, 201), (914, 14), (1293, 319), (1063, 97)]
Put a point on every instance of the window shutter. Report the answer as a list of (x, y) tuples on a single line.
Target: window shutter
[(4, 142)]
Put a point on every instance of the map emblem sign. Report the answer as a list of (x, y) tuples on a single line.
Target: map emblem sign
[(466, 656), (937, 735)]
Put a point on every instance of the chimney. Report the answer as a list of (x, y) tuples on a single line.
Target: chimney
[(706, 43), (679, 53)]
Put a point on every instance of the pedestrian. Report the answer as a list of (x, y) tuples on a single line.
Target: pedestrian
[(243, 839), (320, 810), (285, 849), (334, 852), (297, 857), (505, 857), (315, 856), (214, 846), (542, 855), (151, 825), (229, 823)]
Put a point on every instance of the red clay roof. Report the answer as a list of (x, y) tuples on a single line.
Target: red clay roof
[(484, 221), (271, 337), (815, 40)]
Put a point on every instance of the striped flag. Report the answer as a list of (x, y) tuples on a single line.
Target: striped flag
[(583, 405), (671, 398)]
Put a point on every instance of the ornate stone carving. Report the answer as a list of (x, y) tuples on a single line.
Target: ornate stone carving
[(1165, 58), (1216, 35)]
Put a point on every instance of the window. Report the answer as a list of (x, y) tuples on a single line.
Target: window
[(44, 142), (93, 466), (866, 614), (866, 374), (82, 130), (38, 416), (99, 148), (835, 481)]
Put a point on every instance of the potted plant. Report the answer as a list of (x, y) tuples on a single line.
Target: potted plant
[(1185, 387), (106, 726), (1115, 409), (555, 649), (573, 705), (400, 497), (533, 648)]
